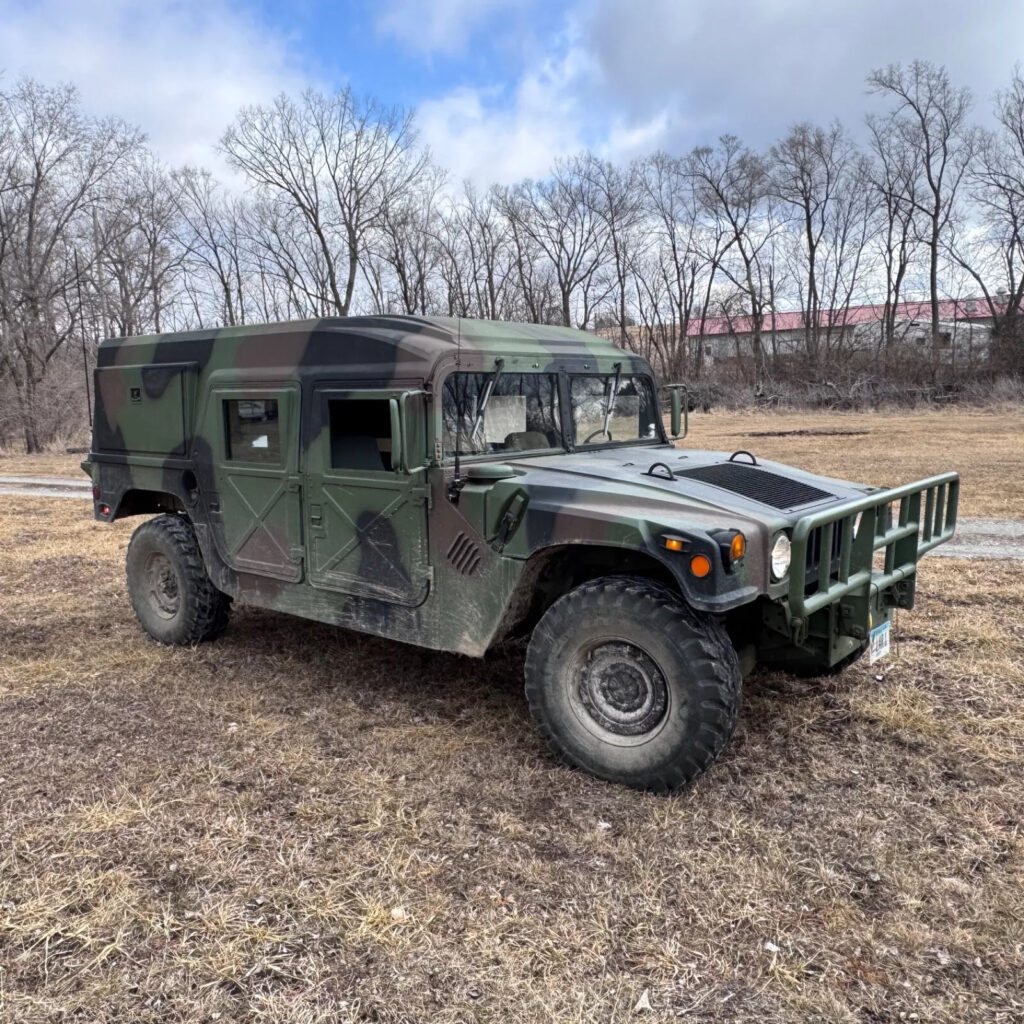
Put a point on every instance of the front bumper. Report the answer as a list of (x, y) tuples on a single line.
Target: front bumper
[(854, 563), (880, 557)]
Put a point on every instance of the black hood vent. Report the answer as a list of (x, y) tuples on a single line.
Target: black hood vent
[(760, 484)]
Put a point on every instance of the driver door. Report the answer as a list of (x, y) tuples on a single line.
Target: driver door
[(366, 517)]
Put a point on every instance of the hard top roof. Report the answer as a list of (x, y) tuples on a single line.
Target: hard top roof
[(397, 347)]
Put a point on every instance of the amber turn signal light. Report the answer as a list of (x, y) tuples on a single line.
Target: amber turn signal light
[(674, 543), (733, 546), (737, 546), (700, 566)]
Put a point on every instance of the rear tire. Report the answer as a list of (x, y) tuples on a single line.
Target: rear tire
[(632, 685), (172, 594)]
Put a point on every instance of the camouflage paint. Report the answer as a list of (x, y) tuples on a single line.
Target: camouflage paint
[(390, 553)]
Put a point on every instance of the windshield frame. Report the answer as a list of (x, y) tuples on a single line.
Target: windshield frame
[(563, 372)]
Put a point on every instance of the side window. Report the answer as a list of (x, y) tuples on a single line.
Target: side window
[(252, 431), (360, 433)]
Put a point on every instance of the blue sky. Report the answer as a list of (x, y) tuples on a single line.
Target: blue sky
[(501, 88), (403, 55)]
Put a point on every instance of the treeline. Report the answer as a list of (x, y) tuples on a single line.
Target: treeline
[(338, 210)]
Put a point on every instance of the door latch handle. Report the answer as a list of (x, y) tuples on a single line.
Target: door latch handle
[(316, 515), (510, 520)]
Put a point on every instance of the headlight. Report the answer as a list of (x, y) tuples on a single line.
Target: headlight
[(782, 554)]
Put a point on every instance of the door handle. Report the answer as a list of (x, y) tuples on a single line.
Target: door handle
[(316, 515)]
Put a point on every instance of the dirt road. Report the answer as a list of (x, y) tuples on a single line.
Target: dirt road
[(44, 487), (975, 538)]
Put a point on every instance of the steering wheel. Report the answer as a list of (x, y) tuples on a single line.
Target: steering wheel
[(598, 432)]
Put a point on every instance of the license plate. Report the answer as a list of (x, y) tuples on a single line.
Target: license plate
[(878, 642)]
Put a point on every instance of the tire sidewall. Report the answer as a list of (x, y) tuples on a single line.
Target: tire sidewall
[(653, 619), (149, 539)]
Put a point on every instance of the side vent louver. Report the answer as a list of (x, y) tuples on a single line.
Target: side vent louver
[(464, 555)]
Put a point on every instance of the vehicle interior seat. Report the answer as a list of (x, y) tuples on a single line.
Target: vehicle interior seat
[(526, 440)]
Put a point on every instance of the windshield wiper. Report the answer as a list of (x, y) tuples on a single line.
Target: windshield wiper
[(612, 395), (481, 408)]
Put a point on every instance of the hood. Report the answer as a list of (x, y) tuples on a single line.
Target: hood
[(704, 483)]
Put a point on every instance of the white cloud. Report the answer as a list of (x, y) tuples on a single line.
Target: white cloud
[(622, 77), (626, 78), (440, 26), (754, 67), (180, 69), (478, 135)]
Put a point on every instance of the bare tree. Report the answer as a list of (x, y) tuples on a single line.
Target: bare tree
[(821, 178), (136, 265), (292, 267), (991, 247), (929, 122), (681, 274), (407, 248), (731, 184), (337, 164), (61, 163), (559, 217), (478, 257), (618, 199), (211, 231), (893, 176)]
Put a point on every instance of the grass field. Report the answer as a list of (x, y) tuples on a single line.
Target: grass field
[(299, 824)]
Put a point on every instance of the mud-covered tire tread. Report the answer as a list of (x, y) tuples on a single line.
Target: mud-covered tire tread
[(701, 640), (208, 608)]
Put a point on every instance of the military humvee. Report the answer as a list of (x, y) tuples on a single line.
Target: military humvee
[(455, 483)]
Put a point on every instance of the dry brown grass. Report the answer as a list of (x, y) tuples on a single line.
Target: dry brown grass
[(299, 824), (986, 446), (16, 464)]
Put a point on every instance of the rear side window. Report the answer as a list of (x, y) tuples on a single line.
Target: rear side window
[(252, 431)]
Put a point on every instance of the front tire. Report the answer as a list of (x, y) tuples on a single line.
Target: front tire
[(172, 594), (630, 684)]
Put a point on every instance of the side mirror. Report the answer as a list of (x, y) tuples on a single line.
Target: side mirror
[(397, 454), (680, 422)]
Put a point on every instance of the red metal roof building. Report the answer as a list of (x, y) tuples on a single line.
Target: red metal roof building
[(975, 310)]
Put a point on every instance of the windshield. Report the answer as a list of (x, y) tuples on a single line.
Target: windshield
[(520, 412), (613, 408)]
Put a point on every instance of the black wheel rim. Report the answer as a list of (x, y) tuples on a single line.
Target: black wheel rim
[(161, 585), (619, 691)]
